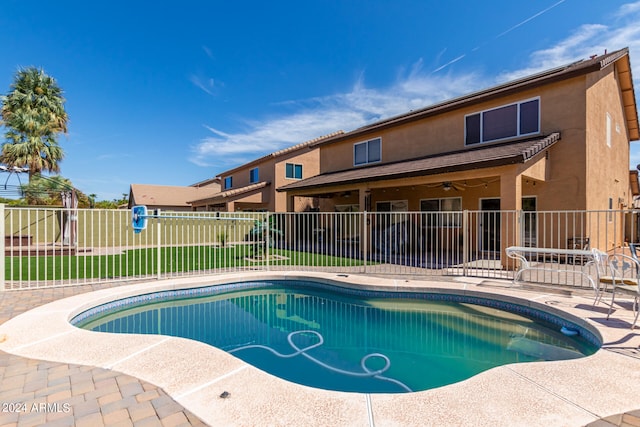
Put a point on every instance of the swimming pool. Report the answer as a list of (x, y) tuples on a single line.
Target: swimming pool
[(348, 339)]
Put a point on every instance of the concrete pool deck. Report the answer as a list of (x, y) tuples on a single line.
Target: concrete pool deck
[(603, 389)]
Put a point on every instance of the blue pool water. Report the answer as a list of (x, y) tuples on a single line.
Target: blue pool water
[(350, 340)]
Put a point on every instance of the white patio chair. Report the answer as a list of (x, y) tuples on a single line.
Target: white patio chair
[(625, 274)]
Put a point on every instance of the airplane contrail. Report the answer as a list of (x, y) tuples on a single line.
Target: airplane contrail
[(529, 19), (500, 35), (448, 63)]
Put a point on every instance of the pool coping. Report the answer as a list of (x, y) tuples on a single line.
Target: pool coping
[(573, 392)]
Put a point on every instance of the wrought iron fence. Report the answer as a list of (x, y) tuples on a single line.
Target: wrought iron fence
[(55, 246)]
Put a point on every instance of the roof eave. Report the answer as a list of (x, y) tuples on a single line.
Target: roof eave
[(519, 157), (633, 183), (309, 145), (448, 169), (227, 194), (630, 109)]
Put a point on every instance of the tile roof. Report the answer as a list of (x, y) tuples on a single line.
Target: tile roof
[(206, 182), (163, 195), (221, 196), (475, 158), (286, 150)]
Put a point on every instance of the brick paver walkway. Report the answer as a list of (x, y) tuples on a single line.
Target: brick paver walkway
[(37, 392)]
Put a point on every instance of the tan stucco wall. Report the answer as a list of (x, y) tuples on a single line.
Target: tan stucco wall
[(579, 172), (273, 170), (563, 108), (310, 161), (608, 167), (241, 175)]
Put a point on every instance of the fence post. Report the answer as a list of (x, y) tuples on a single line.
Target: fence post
[(268, 241), (365, 232), (158, 245), (465, 241), (518, 239), (2, 248)]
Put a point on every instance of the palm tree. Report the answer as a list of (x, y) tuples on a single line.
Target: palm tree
[(33, 114)]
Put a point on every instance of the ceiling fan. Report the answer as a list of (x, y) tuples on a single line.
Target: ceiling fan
[(448, 185)]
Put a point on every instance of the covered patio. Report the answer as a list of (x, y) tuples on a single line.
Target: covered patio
[(504, 177)]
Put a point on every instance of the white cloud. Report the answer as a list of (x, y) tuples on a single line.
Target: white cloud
[(587, 40), (324, 115), (629, 8), (413, 89), (229, 149), (590, 39), (580, 45)]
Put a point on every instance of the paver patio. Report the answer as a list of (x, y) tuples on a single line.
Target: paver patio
[(38, 392)]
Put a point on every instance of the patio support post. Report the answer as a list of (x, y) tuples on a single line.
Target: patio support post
[(290, 203), (2, 247), (364, 199), (510, 205), (465, 242)]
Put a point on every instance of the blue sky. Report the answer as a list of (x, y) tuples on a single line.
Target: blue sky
[(177, 92)]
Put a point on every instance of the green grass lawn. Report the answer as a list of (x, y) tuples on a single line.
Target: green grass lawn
[(144, 262)]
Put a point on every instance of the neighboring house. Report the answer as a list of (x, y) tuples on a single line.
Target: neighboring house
[(556, 140), (634, 184), (252, 186), (169, 197)]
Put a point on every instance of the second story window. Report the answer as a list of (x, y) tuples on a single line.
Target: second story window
[(253, 176), (293, 171), (367, 152), (228, 182), (508, 121)]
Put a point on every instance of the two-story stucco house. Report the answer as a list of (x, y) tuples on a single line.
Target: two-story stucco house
[(252, 186), (556, 140)]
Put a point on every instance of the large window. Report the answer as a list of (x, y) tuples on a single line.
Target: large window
[(253, 176), (451, 215), (228, 182), (508, 121), (367, 152), (293, 171)]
